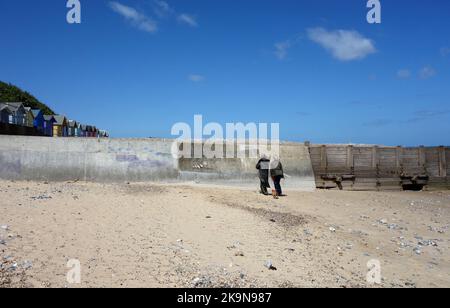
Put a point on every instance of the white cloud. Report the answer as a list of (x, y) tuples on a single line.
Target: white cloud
[(404, 74), (427, 72), (162, 8), (196, 78), (281, 49), (137, 19), (188, 20), (344, 45)]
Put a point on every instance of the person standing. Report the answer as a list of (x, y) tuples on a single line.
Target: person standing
[(276, 173), (263, 167)]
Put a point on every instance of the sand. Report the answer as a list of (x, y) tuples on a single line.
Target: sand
[(157, 235)]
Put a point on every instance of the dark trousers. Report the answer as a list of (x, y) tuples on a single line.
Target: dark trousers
[(264, 186), (277, 182), (264, 179)]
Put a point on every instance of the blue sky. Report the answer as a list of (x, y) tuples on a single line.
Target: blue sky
[(136, 67)]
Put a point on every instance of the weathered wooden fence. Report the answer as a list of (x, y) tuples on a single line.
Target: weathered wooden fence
[(350, 167)]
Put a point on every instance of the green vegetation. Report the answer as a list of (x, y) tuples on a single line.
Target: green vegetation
[(13, 94)]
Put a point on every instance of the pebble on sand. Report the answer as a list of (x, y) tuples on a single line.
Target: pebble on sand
[(270, 266)]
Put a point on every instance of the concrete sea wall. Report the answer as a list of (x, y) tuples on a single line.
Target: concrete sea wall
[(136, 160)]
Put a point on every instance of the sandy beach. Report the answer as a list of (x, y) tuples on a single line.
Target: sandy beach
[(160, 235)]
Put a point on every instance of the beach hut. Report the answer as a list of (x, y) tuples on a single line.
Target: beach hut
[(5, 114), (83, 129), (60, 128), (48, 125), (72, 128), (103, 134), (29, 118), (17, 114), (78, 131), (90, 131), (38, 119)]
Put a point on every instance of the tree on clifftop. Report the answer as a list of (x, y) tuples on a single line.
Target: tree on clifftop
[(13, 94)]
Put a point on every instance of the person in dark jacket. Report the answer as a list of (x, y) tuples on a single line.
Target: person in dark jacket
[(276, 173), (263, 167)]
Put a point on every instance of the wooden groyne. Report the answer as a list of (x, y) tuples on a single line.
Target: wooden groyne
[(361, 167)]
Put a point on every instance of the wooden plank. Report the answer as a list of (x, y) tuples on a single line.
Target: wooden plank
[(323, 157), (432, 161), (350, 159), (442, 162), (362, 159), (438, 183), (447, 158), (375, 157), (422, 158), (399, 159)]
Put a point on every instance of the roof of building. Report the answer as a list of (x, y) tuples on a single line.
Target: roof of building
[(60, 120), (14, 106), (5, 107), (72, 123), (49, 117), (36, 112)]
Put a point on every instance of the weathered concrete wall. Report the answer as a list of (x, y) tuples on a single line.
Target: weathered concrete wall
[(295, 158), (136, 160), (103, 160)]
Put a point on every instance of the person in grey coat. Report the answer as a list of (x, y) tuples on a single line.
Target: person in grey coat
[(276, 173)]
